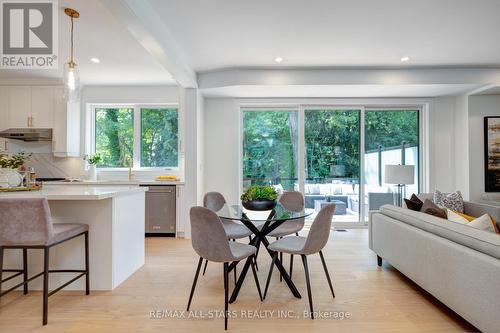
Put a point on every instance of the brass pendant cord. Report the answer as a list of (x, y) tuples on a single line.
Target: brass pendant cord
[(71, 57)]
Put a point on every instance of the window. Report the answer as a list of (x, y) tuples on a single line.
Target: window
[(270, 148), (146, 135)]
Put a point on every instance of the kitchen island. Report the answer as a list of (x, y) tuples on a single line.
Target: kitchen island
[(115, 215)]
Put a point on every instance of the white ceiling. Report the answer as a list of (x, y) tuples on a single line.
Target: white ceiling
[(241, 33), (98, 34)]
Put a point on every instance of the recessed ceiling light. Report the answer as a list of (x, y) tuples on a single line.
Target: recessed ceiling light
[(278, 59), (95, 60), (405, 59)]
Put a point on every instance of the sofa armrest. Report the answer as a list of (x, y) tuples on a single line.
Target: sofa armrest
[(477, 209)]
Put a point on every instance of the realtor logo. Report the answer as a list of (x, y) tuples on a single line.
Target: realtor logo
[(29, 34)]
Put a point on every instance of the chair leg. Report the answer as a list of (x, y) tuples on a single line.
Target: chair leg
[(25, 270), (226, 293), (281, 259), (291, 265), (1, 268), (326, 272), (194, 283), (297, 234), (252, 262), (235, 277), (87, 265), (256, 255), (205, 268), (308, 283), (275, 256), (45, 285)]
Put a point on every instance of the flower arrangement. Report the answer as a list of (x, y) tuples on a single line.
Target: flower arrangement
[(13, 161), (93, 159), (257, 192)]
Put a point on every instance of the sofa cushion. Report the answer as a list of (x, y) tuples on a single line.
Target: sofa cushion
[(483, 222), (431, 208), (479, 240), (453, 201), (414, 203)]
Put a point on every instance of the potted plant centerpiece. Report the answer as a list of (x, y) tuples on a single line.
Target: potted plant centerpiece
[(92, 161), (260, 198), (10, 168)]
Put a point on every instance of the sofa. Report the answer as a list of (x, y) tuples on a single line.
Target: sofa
[(457, 264)]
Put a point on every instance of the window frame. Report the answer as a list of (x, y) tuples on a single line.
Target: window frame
[(137, 128)]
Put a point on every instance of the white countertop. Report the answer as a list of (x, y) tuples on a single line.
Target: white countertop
[(62, 192), (117, 182)]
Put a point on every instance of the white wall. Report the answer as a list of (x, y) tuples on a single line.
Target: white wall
[(222, 142), (479, 107), (462, 145)]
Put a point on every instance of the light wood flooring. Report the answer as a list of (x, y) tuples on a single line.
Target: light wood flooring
[(378, 299)]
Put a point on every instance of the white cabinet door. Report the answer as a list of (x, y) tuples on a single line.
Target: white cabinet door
[(19, 106), (42, 107)]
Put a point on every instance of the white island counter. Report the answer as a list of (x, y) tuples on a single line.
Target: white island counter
[(115, 216)]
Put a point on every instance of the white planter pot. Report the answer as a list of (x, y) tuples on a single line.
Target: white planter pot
[(92, 173)]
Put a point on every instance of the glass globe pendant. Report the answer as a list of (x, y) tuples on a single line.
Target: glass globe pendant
[(71, 72)]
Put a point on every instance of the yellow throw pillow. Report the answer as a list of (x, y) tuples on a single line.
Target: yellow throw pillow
[(484, 222)]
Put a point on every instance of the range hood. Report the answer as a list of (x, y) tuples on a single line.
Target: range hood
[(28, 134)]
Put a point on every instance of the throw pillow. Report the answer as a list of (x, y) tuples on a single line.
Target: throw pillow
[(431, 208), (414, 203), (453, 201), (484, 222)]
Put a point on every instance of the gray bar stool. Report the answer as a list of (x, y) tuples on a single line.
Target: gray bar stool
[(304, 246), (26, 224), (210, 242), (215, 201)]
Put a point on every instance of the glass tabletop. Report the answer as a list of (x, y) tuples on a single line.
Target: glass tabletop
[(279, 213)]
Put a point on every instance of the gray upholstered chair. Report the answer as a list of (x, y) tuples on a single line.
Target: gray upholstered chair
[(210, 242), (215, 201), (294, 201), (304, 246), (26, 224)]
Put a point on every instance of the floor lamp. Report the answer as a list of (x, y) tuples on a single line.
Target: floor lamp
[(399, 175)]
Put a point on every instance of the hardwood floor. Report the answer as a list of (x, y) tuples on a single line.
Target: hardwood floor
[(377, 299)]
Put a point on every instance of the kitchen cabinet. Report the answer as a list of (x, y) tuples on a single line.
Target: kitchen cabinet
[(42, 107)]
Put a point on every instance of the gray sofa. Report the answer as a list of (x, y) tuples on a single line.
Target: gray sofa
[(457, 264)]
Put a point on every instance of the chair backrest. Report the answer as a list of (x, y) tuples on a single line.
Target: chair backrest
[(292, 200), (320, 230), (208, 236), (25, 222), (214, 201)]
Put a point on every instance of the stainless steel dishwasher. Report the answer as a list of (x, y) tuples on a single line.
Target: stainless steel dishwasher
[(160, 210)]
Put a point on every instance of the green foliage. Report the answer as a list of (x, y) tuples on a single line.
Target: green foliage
[(114, 135), (257, 192), (390, 128), (14, 161), (159, 138), (93, 159)]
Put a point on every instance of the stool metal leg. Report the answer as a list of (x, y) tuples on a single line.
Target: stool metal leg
[(87, 277), (25, 270), (45, 284), (194, 282)]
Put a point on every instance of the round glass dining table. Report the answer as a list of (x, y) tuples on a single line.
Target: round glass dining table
[(261, 223)]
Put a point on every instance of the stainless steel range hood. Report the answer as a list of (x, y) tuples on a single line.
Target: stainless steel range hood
[(28, 134)]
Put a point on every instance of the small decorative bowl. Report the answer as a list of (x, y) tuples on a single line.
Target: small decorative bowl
[(259, 205)]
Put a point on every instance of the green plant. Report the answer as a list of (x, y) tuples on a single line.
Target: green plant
[(14, 161), (257, 192), (93, 159)]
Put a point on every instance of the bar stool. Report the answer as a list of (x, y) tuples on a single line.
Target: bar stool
[(27, 224)]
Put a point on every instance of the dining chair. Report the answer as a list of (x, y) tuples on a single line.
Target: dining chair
[(215, 201), (293, 201), (27, 224), (305, 246), (211, 243)]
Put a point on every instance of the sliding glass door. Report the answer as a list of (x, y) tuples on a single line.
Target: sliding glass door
[(331, 154), (332, 167)]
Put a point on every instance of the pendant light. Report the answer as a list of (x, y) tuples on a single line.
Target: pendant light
[(71, 72)]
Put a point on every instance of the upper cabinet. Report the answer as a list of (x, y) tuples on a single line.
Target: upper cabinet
[(42, 107)]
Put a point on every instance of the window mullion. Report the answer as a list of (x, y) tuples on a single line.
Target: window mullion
[(137, 137)]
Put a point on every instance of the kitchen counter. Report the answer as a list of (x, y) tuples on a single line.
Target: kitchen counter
[(117, 182), (62, 192), (115, 216)]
